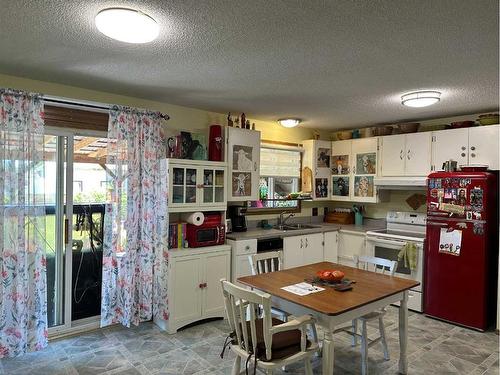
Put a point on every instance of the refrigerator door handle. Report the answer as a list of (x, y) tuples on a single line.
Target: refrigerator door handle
[(437, 224)]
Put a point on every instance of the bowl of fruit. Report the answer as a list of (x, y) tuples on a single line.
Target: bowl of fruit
[(330, 275)]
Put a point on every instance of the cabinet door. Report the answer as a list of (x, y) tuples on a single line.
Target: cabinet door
[(313, 249), (322, 152), (350, 244), (364, 169), (449, 144), (244, 164), (184, 182), (392, 155), (212, 186), (293, 247), (216, 266), (330, 248), (484, 146), (243, 268), (341, 165), (186, 292), (418, 154)]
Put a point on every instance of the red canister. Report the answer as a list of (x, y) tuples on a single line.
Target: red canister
[(215, 143)]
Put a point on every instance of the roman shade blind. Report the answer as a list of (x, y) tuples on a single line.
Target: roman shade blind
[(279, 163)]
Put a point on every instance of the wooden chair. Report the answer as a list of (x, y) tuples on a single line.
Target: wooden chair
[(266, 342), (380, 265)]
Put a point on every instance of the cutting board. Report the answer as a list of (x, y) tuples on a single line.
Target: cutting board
[(307, 180)]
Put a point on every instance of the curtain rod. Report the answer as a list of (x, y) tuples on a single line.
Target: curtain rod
[(93, 105)]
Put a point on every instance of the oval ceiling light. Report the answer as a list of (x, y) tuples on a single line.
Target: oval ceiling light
[(127, 25), (289, 122), (420, 98)]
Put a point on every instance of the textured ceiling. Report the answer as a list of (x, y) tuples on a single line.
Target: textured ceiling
[(332, 63)]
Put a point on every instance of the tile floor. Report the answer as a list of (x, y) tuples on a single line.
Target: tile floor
[(434, 348)]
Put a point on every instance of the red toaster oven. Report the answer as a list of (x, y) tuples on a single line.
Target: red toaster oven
[(211, 232)]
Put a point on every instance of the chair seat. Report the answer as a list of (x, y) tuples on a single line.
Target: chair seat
[(285, 343), (373, 315)]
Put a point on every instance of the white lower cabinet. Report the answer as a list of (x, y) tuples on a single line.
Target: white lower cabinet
[(350, 243), (195, 291), (301, 250), (330, 249), (240, 264)]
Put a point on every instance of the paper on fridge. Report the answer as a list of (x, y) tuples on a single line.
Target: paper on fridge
[(450, 242), (302, 289)]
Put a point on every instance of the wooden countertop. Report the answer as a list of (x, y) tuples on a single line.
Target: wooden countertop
[(369, 287)]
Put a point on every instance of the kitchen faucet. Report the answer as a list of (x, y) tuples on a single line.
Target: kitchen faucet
[(282, 220)]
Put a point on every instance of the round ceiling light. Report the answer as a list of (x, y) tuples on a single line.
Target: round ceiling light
[(289, 122), (420, 98), (127, 25)]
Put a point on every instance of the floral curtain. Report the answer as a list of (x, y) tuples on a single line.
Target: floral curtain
[(134, 286), (23, 300)]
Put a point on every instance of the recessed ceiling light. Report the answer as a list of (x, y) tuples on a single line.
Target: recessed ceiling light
[(127, 25), (289, 122), (420, 98)]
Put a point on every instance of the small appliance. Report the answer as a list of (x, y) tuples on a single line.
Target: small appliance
[(461, 255), (238, 218), (211, 232), (404, 229)]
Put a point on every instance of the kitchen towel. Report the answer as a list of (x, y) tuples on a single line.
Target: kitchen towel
[(195, 218), (409, 255)]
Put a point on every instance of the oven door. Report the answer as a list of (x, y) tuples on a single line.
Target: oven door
[(389, 249)]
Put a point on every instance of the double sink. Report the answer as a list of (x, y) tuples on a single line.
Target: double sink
[(287, 227)]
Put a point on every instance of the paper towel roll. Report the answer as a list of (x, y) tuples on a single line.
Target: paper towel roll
[(195, 218)]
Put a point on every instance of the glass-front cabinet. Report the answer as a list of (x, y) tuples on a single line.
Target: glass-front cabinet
[(194, 184)]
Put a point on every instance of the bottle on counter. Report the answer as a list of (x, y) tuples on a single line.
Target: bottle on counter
[(247, 124), (229, 120)]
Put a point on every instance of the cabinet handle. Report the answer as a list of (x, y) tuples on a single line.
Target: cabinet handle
[(472, 148), (464, 148), (473, 155), (247, 247), (301, 243), (255, 166), (354, 170), (200, 186), (200, 285), (307, 242), (401, 154), (462, 154), (408, 154)]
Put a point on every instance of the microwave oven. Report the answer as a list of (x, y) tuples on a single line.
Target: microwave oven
[(211, 232)]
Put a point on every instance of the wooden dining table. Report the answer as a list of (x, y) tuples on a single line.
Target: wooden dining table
[(331, 308)]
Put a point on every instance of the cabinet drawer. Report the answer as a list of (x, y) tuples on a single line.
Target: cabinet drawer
[(244, 247)]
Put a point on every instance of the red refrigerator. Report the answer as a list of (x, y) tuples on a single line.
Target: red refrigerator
[(461, 258)]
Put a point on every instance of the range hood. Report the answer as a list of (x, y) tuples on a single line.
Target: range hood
[(400, 183)]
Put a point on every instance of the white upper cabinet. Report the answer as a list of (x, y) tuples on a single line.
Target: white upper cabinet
[(484, 145), (243, 158), (393, 155), (476, 145), (354, 166), (418, 154), (449, 144), (317, 158), (406, 155)]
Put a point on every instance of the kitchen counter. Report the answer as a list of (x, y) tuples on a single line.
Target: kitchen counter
[(260, 233)]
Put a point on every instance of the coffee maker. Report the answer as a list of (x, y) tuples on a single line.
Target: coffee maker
[(238, 218)]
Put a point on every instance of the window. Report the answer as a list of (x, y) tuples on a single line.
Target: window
[(77, 187), (279, 176)]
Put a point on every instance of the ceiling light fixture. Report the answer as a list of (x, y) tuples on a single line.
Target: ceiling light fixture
[(289, 122), (420, 98), (127, 25)]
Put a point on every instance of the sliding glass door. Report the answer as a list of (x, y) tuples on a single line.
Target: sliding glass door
[(75, 196)]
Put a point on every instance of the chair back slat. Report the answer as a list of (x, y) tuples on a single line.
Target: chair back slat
[(266, 262), (374, 264)]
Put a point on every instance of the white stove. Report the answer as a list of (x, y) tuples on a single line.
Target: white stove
[(402, 228)]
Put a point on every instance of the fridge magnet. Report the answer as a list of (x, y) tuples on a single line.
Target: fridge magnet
[(363, 186), (450, 193), (478, 229), (440, 194), (452, 208), (432, 184), (242, 158), (323, 158), (476, 199), (340, 186), (477, 215), (340, 164), (450, 241), (468, 215), (242, 184), (321, 188), (366, 163), (462, 197), (434, 193), (437, 183)]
